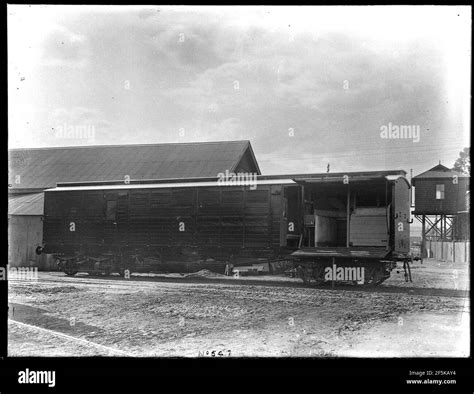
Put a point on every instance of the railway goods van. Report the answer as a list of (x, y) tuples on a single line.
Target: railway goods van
[(337, 226)]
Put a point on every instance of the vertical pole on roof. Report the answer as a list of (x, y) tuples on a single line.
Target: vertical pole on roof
[(348, 215)]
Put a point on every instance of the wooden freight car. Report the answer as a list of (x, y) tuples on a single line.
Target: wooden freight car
[(318, 221)]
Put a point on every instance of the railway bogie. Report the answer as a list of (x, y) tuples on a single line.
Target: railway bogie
[(356, 272)]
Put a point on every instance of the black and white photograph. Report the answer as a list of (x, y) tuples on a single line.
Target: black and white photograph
[(239, 182)]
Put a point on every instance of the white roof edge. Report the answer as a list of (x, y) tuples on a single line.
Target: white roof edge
[(397, 177), (175, 185)]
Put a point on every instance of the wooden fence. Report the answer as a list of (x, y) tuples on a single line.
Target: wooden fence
[(451, 251)]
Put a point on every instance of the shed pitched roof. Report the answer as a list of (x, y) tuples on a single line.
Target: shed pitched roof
[(44, 167), (440, 171)]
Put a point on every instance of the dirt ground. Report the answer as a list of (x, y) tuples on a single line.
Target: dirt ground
[(147, 316)]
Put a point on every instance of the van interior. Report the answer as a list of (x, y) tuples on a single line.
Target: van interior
[(332, 214)]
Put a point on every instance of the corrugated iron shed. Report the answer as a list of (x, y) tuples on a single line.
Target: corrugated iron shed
[(43, 168)]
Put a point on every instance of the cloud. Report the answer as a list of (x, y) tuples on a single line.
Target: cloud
[(63, 47), (78, 125), (332, 75)]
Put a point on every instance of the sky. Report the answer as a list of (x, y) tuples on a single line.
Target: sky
[(307, 86)]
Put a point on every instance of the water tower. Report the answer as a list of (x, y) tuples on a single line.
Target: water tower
[(440, 199)]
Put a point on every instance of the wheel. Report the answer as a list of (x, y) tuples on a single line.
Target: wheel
[(376, 277), (69, 269), (304, 273), (106, 270), (122, 271), (70, 273)]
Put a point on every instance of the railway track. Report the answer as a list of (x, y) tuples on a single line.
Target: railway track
[(105, 280)]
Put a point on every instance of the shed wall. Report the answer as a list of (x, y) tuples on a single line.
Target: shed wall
[(25, 233), (454, 198)]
